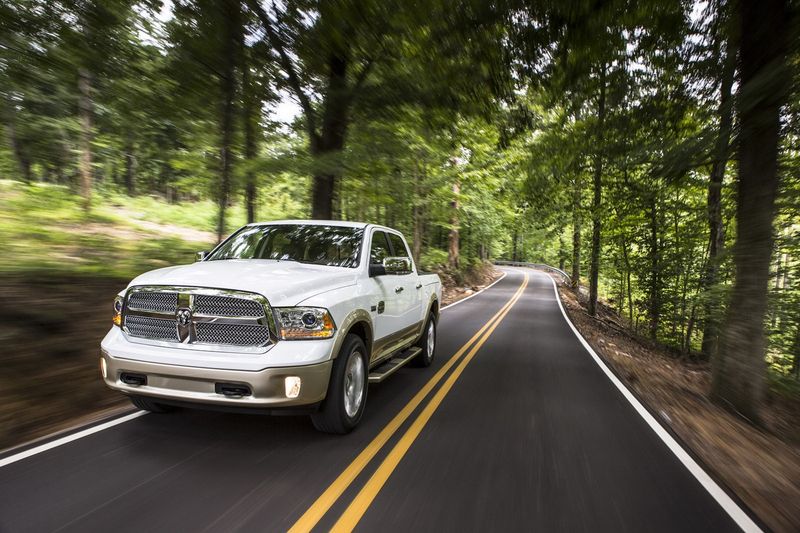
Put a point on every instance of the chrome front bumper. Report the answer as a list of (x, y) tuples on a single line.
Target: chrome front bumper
[(198, 385)]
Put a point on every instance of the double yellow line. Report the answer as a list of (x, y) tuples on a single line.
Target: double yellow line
[(362, 501)]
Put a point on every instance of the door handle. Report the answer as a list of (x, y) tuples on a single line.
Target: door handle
[(419, 286), (398, 289)]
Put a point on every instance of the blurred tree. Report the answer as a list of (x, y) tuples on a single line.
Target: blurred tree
[(349, 37), (223, 64), (725, 47), (739, 364), (230, 56), (209, 59), (94, 36), (331, 52)]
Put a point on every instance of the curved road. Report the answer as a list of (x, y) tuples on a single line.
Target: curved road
[(517, 428)]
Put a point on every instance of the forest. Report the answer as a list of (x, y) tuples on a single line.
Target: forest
[(649, 148)]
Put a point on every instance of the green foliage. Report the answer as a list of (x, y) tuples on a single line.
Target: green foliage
[(433, 259)]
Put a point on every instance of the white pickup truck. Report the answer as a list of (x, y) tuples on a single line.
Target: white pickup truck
[(291, 315)]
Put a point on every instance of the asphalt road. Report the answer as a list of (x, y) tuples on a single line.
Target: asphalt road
[(523, 431)]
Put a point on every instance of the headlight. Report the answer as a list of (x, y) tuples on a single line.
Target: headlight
[(118, 303), (304, 323)]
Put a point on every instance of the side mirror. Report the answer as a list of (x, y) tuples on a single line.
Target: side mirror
[(376, 269), (200, 256), (397, 265)]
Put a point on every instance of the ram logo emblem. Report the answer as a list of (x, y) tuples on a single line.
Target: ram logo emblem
[(184, 317)]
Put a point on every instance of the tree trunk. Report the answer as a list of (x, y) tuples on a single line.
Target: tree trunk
[(739, 367), (416, 247), (594, 267), (453, 239), (515, 240), (773, 322), (329, 144), (251, 120), (716, 233), (130, 163), (626, 258), (795, 352), (690, 329), (654, 303), (228, 93), (683, 318), (577, 221), (165, 177), (114, 170), (23, 161), (322, 196), (85, 158)]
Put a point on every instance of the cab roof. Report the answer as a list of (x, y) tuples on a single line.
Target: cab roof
[(343, 223)]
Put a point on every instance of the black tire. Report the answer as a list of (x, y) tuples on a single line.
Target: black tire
[(425, 357), (333, 416), (147, 404)]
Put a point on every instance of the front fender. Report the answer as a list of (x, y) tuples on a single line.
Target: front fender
[(356, 316)]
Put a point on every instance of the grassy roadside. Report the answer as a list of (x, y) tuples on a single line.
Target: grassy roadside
[(761, 465), (43, 231)]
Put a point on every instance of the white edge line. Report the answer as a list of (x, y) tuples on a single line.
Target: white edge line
[(127, 418), (726, 502), (462, 300), (69, 438)]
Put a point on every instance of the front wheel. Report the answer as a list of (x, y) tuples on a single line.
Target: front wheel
[(347, 391), (426, 343)]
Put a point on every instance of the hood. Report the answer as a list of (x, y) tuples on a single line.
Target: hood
[(283, 283)]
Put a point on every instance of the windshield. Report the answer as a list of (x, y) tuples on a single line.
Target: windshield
[(318, 245)]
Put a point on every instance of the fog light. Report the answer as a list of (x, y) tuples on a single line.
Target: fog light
[(103, 367), (292, 386)]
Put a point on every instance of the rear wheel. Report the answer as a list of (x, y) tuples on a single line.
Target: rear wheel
[(149, 405), (426, 343), (347, 391)]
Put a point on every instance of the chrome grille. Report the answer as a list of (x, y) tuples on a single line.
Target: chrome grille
[(207, 304), (153, 301), (233, 334), (152, 328), (232, 321)]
